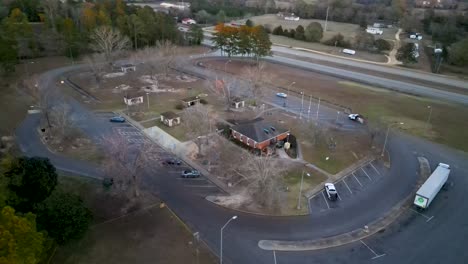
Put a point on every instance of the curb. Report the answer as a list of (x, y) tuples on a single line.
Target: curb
[(353, 236), (211, 197)]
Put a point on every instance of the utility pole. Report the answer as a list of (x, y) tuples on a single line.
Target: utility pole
[(428, 118), (326, 20), (308, 111), (300, 190), (302, 105), (318, 109)]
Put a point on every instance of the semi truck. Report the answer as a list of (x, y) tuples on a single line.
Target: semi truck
[(428, 191)]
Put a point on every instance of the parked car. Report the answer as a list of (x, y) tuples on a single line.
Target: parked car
[(117, 119), (282, 95), (190, 174), (331, 191), (172, 162), (357, 118)]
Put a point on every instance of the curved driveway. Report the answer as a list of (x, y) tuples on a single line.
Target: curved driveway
[(242, 236)]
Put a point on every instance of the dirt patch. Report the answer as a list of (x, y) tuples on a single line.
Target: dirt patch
[(142, 236)]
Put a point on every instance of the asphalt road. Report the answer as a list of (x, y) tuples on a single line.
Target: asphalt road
[(396, 85), (241, 237)]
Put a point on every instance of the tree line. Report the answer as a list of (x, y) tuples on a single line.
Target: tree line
[(35, 214), (68, 28), (245, 40)]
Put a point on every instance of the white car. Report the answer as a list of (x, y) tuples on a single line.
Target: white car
[(282, 95), (356, 117), (331, 191)]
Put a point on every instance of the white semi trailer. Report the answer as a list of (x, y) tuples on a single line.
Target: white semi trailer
[(428, 191)]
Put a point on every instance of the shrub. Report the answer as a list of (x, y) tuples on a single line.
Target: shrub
[(382, 45), (314, 32), (267, 28), (299, 33), (180, 106), (278, 30), (337, 40), (203, 101)]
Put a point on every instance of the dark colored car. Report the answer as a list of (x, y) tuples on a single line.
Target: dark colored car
[(172, 162), (117, 119)]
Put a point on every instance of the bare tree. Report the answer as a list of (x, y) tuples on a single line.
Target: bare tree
[(108, 40), (61, 121), (167, 52), (126, 162), (51, 8), (44, 97), (197, 121), (152, 60), (256, 78), (96, 65)]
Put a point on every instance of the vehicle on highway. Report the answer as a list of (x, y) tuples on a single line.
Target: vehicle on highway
[(117, 119), (282, 95), (356, 117), (172, 162), (331, 191), (428, 191), (190, 174)]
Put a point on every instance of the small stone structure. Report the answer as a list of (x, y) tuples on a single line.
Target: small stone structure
[(133, 98), (170, 119), (190, 101), (238, 103)]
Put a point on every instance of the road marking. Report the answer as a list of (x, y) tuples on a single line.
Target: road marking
[(200, 186), (339, 197), (373, 252), (325, 199), (423, 215), (274, 256), (366, 173), (192, 179), (374, 168), (356, 179), (347, 186)]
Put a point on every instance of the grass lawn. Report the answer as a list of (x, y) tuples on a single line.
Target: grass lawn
[(292, 180), (152, 235), (176, 131)]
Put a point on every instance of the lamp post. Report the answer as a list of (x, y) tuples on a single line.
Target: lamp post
[(221, 241), (225, 64), (287, 95), (147, 99), (386, 136), (302, 105), (429, 117), (300, 190)]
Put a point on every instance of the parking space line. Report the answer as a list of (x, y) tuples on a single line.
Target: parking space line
[(366, 173), (192, 179), (325, 199), (373, 252), (374, 168), (347, 186), (423, 215), (356, 179), (201, 186), (339, 197)]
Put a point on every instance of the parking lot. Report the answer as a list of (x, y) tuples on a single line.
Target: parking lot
[(354, 184), (198, 186)]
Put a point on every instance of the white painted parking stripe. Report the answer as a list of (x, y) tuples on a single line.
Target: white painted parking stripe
[(366, 173), (373, 252), (339, 197), (374, 168), (324, 198), (347, 186), (423, 215), (201, 186), (357, 179), (191, 179)]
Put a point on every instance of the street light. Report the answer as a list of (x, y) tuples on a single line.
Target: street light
[(386, 136), (225, 64), (287, 95), (147, 99), (300, 190), (221, 241), (429, 117), (302, 105)]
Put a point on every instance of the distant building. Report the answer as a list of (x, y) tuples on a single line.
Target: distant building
[(190, 101), (170, 119), (133, 99), (178, 5), (188, 21), (288, 16)]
